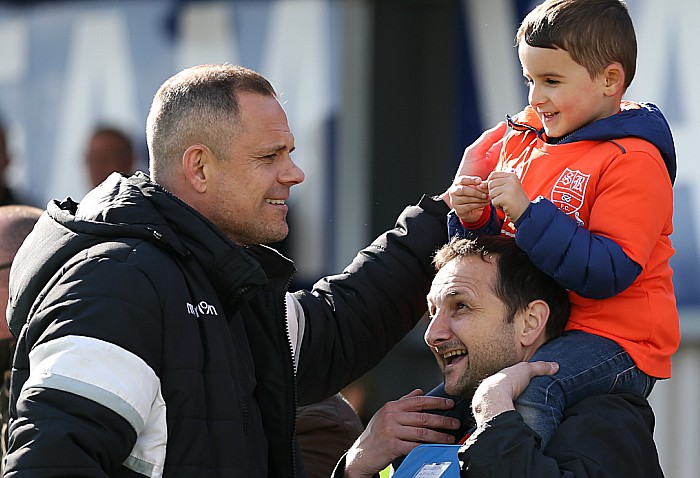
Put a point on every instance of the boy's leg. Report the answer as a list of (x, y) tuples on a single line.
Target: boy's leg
[(588, 365)]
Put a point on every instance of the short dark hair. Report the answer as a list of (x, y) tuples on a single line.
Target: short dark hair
[(198, 104), (595, 33), (518, 280)]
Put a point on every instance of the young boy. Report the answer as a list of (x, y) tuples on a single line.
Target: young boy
[(584, 183)]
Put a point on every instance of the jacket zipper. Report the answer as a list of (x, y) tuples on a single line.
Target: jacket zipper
[(294, 381)]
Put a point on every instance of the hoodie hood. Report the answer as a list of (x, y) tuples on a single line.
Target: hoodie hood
[(125, 208), (639, 120)]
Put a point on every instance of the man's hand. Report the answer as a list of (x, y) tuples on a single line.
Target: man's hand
[(480, 158), (469, 196), (507, 194), (396, 429), (496, 393)]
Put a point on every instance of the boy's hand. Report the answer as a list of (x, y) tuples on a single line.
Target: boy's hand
[(507, 194), (469, 196)]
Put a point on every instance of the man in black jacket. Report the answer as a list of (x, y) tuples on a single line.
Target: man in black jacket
[(491, 309), (156, 335)]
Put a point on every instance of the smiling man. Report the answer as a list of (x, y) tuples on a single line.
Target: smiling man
[(156, 334), (491, 309)]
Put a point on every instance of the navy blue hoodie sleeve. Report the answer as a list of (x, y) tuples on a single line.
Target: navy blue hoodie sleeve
[(491, 228), (589, 264)]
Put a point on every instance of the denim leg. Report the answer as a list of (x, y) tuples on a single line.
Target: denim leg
[(588, 365)]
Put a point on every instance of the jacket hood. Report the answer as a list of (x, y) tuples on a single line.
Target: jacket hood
[(640, 120), (127, 208)]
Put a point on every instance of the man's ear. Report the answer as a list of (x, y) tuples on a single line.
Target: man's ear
[(613, 79), (195, 163), (535, 318)]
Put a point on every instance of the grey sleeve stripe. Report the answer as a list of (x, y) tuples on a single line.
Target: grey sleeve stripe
[(115, 378), (139, 466), (96, 394), (101, 371)]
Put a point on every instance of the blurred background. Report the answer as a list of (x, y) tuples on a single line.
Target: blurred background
[(382, 97)]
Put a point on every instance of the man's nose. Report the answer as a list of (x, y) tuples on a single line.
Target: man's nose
[(293, 174), (438, 330)]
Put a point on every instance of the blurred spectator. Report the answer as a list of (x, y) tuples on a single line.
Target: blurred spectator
[(109, 149), (16, 222), (7, 195), (325, 431)]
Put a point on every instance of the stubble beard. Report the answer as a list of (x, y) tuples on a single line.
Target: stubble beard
[(484, 361)]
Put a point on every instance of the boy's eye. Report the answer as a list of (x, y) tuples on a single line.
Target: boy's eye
[(550, 81), (528, 81)]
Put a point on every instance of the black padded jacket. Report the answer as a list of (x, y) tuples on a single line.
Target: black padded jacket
[(151, 345), (604, 436)]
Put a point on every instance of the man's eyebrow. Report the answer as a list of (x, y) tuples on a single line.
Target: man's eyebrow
[(276, 148)]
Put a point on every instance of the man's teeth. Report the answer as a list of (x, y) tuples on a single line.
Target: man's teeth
[(276, 201), (453, 353)]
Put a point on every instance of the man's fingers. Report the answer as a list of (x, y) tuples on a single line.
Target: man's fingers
[(489, 137), (431, 421), (414, 412), (526, 370), (429, 435), (414, 393), (543, 368), (416, 401)]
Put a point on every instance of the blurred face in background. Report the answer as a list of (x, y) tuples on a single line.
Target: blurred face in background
[(106, 153)]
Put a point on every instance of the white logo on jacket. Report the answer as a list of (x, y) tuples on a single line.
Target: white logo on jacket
[(569, 192), (202, 308)]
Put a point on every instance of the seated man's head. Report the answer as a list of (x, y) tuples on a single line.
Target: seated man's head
[(490, 308), (16, 222)]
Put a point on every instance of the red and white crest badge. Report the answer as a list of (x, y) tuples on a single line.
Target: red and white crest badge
[(569, 190)]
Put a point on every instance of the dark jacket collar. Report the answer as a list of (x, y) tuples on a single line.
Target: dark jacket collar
[(135, 207)]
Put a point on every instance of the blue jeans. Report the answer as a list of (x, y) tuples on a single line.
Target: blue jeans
[(588, 365)]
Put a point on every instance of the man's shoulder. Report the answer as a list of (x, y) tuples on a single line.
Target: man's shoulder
[(614, 407), (127, 249), (621, 423)]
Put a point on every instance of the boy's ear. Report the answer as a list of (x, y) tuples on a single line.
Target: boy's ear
[(614, 79), (534, 323), (194, 164)]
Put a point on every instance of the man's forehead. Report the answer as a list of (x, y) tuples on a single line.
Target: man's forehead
[(466, 272)]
